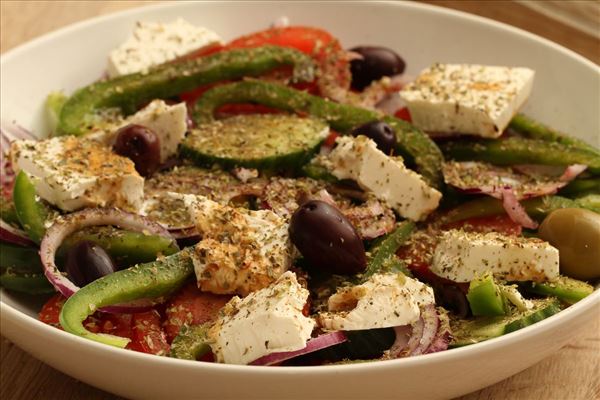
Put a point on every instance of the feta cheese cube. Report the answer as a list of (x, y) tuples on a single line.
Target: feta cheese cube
[(471, 99), (241, 250), (267, 321), (461, 256), (383, 301), (358, 158), (73, 173), (169, 123), (154, 43)]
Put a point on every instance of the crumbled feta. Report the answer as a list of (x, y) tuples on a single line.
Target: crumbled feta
[(358, 158), (461, 256), (383, 301), (470, 99), (241, 250), (154, 43), (73, 173), (266, 321)]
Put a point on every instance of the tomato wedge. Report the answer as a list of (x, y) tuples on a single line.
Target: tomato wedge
[(190, 306), (327, 51), (147, 335), (143, 329)]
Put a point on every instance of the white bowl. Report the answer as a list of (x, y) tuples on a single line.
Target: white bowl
[(566, 96)]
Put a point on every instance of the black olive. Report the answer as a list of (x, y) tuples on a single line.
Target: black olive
[(327, 239), (87, 261), (452, 298), (141, 145), (381, 133), (376, 62)]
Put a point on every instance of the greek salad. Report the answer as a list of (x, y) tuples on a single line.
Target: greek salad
[(279, 199)]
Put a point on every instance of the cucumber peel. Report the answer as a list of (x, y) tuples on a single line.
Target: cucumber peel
[(191, 343), (270, 141), (566, 289), (476, 330)]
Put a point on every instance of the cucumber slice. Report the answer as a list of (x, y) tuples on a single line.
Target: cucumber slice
[(476, 330), (566, 289), (485, 297), (269, 141), (191, 343)]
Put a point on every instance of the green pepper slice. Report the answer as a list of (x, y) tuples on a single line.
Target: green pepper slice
[(413, 144), (532, 129), (21, 270), (516, 150), (150, 280), (32, 213), (128, 92), (485, 297), (383, 251)]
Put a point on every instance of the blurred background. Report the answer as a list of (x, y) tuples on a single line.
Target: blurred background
[(575, 23)]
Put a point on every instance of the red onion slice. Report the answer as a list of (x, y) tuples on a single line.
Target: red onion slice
[(66, 225), (525, 181), (443, 335), (418, 338), (10, 234), (431, 323), (515, 210), (318, 343)]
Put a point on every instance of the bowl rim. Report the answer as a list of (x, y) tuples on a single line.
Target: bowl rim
[(10, 313)]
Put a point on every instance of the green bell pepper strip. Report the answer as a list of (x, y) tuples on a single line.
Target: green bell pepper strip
[(516, 150), (8, 213), (20, 258), (191, 343), (537, 208), (383, 251), (485, 297), (150, 280), (413, 144), (128, 92), (125, 247), (21, 270), (54, 104), (529, 128), (580, 187), (32, 213)]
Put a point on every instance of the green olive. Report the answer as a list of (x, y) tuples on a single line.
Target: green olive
[(575, 232)]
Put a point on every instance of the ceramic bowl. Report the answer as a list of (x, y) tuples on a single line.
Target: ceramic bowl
[(565, 96)]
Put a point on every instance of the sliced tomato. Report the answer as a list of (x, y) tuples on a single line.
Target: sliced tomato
[(50, 312), (191, 307), (330, 140), (147, 335), (143, 329), (404, 114), (497, 223), (318, 43)]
